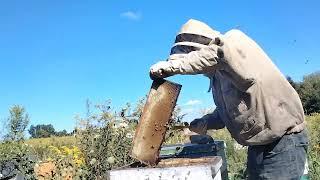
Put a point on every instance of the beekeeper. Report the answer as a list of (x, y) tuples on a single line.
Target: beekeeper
[(254, 101)]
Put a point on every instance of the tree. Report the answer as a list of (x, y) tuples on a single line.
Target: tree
[(293, 84), (309, 92), (42, 131), (17, 123), (62, 133)]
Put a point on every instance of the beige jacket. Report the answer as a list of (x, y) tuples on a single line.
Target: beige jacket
[(254, 100)]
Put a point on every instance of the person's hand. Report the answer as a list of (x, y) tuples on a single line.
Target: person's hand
[(199, 126), (200, 139), (159, 70)]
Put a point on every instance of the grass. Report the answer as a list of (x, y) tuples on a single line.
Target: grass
[(314, 147), (41, 145), (236, 157), (52, 141)]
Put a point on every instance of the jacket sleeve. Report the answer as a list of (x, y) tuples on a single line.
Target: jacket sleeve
[(195, 62), (213, 120), (238, 51)]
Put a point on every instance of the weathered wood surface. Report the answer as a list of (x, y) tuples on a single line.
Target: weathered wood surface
[(173, 162), (178, 169), (153, 123), (194, 151)]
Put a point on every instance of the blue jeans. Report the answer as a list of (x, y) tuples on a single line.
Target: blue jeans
[(282, 159)]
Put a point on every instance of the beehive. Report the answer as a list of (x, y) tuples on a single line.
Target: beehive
[(207, 168)]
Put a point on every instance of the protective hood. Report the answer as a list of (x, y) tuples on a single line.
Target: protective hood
[(192, 36)]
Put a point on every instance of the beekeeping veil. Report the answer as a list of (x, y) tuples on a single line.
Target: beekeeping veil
[(193, 36)]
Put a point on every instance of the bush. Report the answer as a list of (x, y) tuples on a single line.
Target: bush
[(105, 140), (105, 137), (16, 159), (62, 163)]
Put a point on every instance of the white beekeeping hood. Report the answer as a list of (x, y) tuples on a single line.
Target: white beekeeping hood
[(192, 36)]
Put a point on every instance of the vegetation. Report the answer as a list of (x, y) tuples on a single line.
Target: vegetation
[(41, 131), (309, 92), (16, 158), (41, 146), (314, 147), (236, 157), (103, 138), (45, 130), (17, 123)]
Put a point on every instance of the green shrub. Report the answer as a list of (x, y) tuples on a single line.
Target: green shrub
[(17, 158), (105, 140), (68, 162), (105, 137)]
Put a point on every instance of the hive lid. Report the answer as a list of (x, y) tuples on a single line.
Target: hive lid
[(191, 150)]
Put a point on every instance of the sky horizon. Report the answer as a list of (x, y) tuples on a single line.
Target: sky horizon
[(54, 55)]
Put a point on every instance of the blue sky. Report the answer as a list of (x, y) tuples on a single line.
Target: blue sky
[(56, 54)]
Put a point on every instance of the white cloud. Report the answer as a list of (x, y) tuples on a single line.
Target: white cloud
[(193, 102), (188, 111), (131, 15), (190, 114)]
